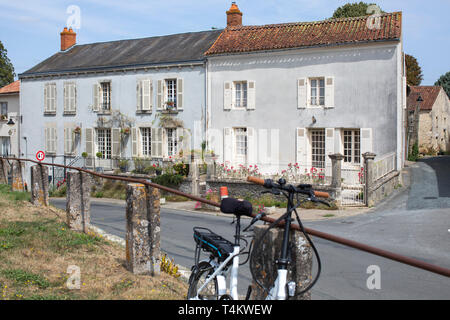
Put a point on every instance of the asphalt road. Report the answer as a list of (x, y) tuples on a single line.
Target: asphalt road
[(415, 223)]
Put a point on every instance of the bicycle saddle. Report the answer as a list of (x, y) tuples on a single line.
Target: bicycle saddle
[(236, 207)]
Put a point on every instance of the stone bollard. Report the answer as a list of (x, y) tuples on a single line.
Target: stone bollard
[(299, 269), (39, 185), (17, 179), (368, 177), (78, 205), (3, 171), (143, 229)]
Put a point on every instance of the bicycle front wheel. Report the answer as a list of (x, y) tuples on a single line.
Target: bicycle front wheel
[(198, 277)]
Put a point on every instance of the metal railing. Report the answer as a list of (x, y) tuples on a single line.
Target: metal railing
[(346, 242)]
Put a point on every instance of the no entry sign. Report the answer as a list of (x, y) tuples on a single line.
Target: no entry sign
[(40, 155)]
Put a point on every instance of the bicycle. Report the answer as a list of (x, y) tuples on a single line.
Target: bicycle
[(208, 277)]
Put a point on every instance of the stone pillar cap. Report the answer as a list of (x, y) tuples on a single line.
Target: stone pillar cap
[(369, 155), (336, 156)]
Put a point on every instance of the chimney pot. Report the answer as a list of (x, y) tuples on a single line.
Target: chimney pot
[(68, 39), (234, 16)]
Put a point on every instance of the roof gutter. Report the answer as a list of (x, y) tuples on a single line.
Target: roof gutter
[(108, 69)]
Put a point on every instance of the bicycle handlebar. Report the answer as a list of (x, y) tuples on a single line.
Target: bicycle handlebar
[(268, 183)]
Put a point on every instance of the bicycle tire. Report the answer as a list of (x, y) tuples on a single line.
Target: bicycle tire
[(196, 280)]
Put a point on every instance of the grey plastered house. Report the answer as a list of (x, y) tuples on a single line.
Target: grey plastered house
[(297, 92)]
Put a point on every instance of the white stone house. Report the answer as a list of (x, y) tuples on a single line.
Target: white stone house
[(137, 98), (294, 93)]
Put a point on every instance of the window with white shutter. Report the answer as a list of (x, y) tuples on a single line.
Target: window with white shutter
[(50, 98), (70, 98), (157, 143), (144, 95), (50, 137), (68, 140)]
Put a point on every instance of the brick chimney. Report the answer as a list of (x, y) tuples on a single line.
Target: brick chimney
[(68, 39), (234, 16)]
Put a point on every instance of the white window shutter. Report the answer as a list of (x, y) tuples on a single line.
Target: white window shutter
[(66, 140), (157, 142), (301, 146), (186, 145), (53, 101), (139, 95), (160, 92), (302, 93), (46, 93), (66, 94), (366, 140), (146, 94), (89, 134), (115, 148), (251, 95), (227, 145), (134, 142), (227, 97), (329, 149), (96, 97), (252, 146), (180, 94), (47, 139), (73, 101), (329, 92), (53, 139)]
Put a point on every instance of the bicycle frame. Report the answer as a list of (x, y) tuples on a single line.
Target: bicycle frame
[(220, 275)]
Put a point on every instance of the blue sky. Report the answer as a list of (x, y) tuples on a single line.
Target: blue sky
[(30, 29)]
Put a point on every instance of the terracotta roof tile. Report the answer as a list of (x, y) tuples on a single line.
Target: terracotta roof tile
[(428, 93), (306, 34), (13, 87)]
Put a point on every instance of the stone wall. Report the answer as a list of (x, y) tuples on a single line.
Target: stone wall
[(383, 187)]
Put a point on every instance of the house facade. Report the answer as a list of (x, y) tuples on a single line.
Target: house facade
[(10, 119), (93, 104), (433, 119), (297, 92)]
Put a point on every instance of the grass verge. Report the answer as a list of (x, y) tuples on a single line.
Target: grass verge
[(37, 251)]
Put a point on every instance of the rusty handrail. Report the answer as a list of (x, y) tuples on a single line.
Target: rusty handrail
[(350, 243)]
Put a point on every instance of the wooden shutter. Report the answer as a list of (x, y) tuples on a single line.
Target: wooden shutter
[(89, 133), (73, 100), (251, 95), (66, 94), (252, 147), (227, 99), (139, 95), (160, 93), (157, 142), (66, 140), (96, 97), (302, 147), (46, 106), (115, 147), (186, 145), (180, 94), (134, 142), (227, 145), (53, 140), (329, 92), (302, 93), (329, 149), (180, 138), (366, 140), (53, 95), (47, 139), (146, 94)]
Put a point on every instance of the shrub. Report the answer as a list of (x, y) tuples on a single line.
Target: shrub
[(414, 154), (181, 168), (168, 180)]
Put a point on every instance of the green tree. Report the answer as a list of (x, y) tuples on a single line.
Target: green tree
[(6, 68), (444, 82), (414, 74), (352, 10)]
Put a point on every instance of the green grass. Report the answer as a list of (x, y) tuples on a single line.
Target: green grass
[(15, 196), (24, 277)]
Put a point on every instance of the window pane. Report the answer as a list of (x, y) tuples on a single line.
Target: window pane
[(318, 148)]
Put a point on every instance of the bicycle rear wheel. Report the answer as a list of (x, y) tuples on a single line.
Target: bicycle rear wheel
[(198, 277)]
